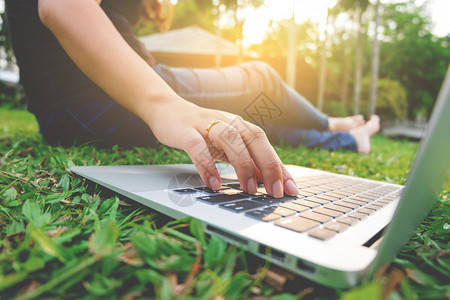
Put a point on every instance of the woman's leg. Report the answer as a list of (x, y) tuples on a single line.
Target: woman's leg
[(312, 138), (252, 90), (100, 121)]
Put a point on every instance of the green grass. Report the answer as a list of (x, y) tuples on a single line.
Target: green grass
[(60, 238)]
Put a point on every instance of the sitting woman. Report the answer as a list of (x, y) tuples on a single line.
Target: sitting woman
[(88, 78)]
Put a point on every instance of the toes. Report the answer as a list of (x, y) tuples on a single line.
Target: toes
[(359, 119), (376, 118)]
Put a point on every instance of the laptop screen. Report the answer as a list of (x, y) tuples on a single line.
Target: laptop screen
[(430, 170)]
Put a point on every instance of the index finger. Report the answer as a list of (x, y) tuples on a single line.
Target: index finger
[(276, 178), (197, 149)]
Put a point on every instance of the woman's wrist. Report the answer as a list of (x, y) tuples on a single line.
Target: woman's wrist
[(162, 112)]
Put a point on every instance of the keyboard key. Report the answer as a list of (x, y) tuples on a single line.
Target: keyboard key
[(342, 193), (336, 196), (376, 193), (306, 203), (359, 189), (255, 194), (312, 191), (224, 187), (293, 206), (338, 208), (318, 200), (185, 191), (357, 201), (234, 185), (347, 220), (336, 226), (374, 207), (326, 197), (261, 189), (347, 204), (302, 185), (304, 194), (354, 202), (365, 211), (281, 211), (353, 190), (221, 198), (266, 200), (379, 203), (229, 191), (284, 198), (297, 223), (322, 233), (323, 189), (241, 206), (357, 215), (384, 200), (361, 199), (328, 212), (206, 190), (315, 216), (262, 215), (370, 197)]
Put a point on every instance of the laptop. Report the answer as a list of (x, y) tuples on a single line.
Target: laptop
[(337, 232)]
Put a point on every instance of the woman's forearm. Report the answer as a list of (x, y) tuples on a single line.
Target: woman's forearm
[(97, 48)]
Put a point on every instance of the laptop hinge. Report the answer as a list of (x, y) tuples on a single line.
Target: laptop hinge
[(375, 241)]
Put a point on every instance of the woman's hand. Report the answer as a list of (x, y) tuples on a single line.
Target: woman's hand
[(245, 146)]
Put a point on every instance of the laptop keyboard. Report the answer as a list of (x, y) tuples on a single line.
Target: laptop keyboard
[(325, 206)]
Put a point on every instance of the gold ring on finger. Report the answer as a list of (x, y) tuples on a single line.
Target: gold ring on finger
[(210, 126)]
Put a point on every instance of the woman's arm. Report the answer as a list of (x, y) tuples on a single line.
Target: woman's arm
[(97, 48)]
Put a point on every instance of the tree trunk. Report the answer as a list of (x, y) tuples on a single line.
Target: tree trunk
[(323, 61), (291, 59), (375, 62), (345, 75), (218, 56), (358, 71)]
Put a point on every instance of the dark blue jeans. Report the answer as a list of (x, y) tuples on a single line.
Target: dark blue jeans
[(252, 90)]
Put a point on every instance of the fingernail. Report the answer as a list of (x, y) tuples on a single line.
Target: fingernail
[(290, 187), (214, 183), (277, 189), (251, 185)]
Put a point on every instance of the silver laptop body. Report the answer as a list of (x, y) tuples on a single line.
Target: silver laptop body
[(354, 210)]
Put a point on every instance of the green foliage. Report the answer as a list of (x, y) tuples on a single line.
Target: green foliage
[(352, 5), (335, 109), (186, 13), (391, 98), (204, 14), (5, 40), (275, 44), (371, 291), (411, 55), (12, 96)]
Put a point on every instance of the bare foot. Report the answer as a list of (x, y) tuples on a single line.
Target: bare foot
[(363, 133), (345, 124)]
